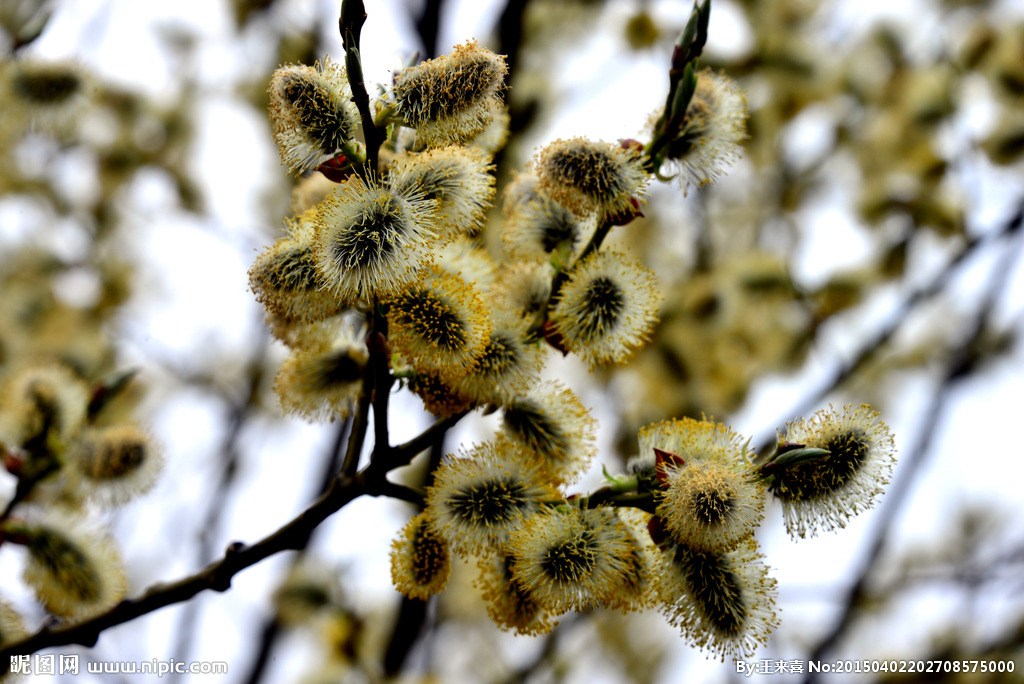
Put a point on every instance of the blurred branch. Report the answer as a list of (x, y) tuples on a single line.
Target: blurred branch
[(509, 29), (427, 25), (547, 653), (412, 613), (271, 629), (896, 321), (960, 366), (241, 411)]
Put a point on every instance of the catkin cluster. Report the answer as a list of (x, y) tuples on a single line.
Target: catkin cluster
[(390, 264), (71, 450), (70, 444)]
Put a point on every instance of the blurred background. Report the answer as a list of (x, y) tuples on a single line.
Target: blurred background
[(866, 248)]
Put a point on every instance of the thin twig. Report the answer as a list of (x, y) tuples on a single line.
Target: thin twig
[(350, 23), (401, 454)]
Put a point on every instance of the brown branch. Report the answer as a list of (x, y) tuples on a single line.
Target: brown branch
[(410, 626), (401, 454), (350, 24), (216, 576)]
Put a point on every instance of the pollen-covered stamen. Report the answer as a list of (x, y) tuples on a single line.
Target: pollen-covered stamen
[(430, 555), (607, 308), (588, 170), (337, 368), (588, 177), (372, 240), (524, 605), (293, 269), (74, 571), (537, 227), (847, 459), (572, 558), (40, 404), (285, 277), (477, 499), (508, 365), (47, 86), (848, 451), (509, 603), (430, 95), (528, 422), (524, 288), (438, 182), (456, 179), (708, 139), (550, 421), (439, 399), (810, 479), (603, 302), (499, 356), (324, 122), (712, 506), (322, 380), (420, 560), (312, 112), (685, 440), (715, 587), (66, 564), (369, 241), (45, 417), (722, 601), (559, 229), (441, 87), (439, 324), (570, 561), (451, 99), (113, 464), (122, 459), (492, 502), (431, 318)]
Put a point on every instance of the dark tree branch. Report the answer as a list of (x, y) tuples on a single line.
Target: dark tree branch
[(401, 454), (546, 656), (216, 576), (412, 615), (230, 457), (510, 33), (350, 24)]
